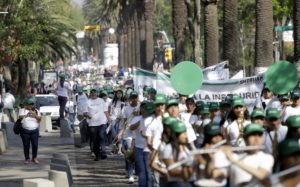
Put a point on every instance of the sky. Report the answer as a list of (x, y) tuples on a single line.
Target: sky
[(78, 2)]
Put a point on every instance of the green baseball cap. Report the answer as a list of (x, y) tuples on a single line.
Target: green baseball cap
[(178, 127), (272, 113), (199, 104), (29, 101), (295, 94), (238, 102), (149, 107), (172, 101), (160, 99), (293, 121), (214, 106), (253, 128), (104, 92), (134, 94), (257, 113), (151, 90), (169, 121), (204, 110), (288, 147), (212, 129)]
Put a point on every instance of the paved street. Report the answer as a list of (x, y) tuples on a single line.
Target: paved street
[(85, 171)]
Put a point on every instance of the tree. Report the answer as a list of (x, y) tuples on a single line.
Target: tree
[(179, 19), (263, 35), (211, 32), (296, 18), (231, 34)]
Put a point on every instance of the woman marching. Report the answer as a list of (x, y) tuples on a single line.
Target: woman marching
[(30, 118)]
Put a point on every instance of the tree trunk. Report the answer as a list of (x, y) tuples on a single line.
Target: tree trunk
[(296, 21), (126, 62), (121, 48), (263, 35), (231, 35), (179, 19), (23, 69), (137, 52), (211, 33), (149, 10), (143, 43), (129, 45)]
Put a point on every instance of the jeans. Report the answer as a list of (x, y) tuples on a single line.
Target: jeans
[(128, 166), (83, 126), (62, 106), (114, 130), (72, 120), (30, 136), (97, 135), (142, 160)]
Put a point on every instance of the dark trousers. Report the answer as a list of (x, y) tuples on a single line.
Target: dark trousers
[(83, 126), (62, 106), (142, 161), (97, 138), (30, 136)]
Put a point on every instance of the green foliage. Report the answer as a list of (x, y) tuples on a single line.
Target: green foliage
[(282, 8), (162, 19)]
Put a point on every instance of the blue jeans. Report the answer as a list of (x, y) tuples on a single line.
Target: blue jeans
[(142, 167), (98, 135), (83, 126), (62, 106), (72, 120), (128, 166), (30, 136), (114, 130)]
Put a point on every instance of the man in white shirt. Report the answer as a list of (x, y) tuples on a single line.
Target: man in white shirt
[(274, 134), (8, 101), (294, 109), (63, 88), (268, 100), (97, 116)]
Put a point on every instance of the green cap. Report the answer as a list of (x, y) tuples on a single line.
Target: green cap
[(62, 75), (79, 89), (171, 102), (178, 127), (295, 94), (134, 93), (151, 90), (149, 107), (214, 106), (29, 100), (104, 92), (288, 147), (257, 113), (272, 113), (238, 102), (204, 110), (225, 102), (199, 104), (169, 121), (212, 129), (293, 121), (160, 99), (253, 128), (234, 97)]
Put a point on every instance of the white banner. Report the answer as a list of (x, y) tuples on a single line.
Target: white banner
[(248, 88), (238, 75), (216, 72)]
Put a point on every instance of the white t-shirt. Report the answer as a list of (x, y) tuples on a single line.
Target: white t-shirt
[(270, 103), (268, 141), (116, 110), (8, 101), (82, 104), (155, 130), (29, 123), (182, 107), (63, 91), (234, 132), (70, 107), (140, 141), (127, 114), (187, 118), (257, 160), (96, 108), (290, 111)]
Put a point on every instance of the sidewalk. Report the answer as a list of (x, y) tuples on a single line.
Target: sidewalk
[(85, 171)]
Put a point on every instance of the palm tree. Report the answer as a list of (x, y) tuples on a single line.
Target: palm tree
[(179, 19), (211, 32), (231, 34), (296, 21), (148, 12), (263, 35)]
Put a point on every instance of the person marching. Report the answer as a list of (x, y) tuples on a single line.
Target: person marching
[(63, 88), (253, 164), (293, 124), (97, 116), (294, 109), (30, 118), (155, 129), (258, 117), (82, 105), (234, 131)]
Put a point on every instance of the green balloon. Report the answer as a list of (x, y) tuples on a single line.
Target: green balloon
[(281, 77), (186, 78)]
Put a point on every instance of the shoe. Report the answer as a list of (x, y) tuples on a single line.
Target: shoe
[(35, 161), (96, 159), (103, 157), (27, 161), (131, 180)]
